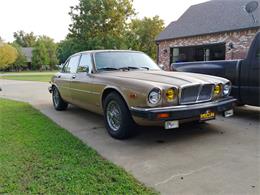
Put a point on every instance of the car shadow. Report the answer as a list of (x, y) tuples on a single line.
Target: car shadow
[(148, 134), (158, 135), (248, 112), (186, 132)]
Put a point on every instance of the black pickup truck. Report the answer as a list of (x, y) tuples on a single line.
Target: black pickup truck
[(244, 74)]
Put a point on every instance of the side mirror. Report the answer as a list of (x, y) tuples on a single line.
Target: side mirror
[(162, 66), (60, 66), (84, 69)]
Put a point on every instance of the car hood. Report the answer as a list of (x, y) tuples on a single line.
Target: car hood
[(165, 77)]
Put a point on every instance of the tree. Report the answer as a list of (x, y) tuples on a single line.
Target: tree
[(44, 53), (25, 39), (100, 24), (8, 55), (21, 60), (51, 47), (142, 33), (66, 48), (39, 55)]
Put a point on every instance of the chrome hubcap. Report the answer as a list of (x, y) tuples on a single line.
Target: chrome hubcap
[(113, 115), (55, 97)]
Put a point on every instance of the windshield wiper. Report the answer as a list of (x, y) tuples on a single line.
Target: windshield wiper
[(134, 68), (122, 68), (128, 68), (107, 69), (145, 68)]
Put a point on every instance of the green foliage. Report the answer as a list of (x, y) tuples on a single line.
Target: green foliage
[(100, 24), (44, 53), (39, 157), (107, 24), (39, 55), (21, 60), (142, 33), (25, 39), (8, 55), (66, 48)]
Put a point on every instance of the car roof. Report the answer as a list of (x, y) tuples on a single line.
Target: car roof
[(106, 50)]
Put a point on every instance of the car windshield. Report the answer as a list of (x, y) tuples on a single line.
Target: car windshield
[(109, 61)]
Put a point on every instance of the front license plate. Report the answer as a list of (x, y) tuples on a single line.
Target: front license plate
[(171, 124), (207, 116)]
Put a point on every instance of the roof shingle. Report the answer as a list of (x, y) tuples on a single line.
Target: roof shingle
[(211, 17)]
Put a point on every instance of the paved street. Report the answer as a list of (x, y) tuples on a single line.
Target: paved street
[(219, 157)]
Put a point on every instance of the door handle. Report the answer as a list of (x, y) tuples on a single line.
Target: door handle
[(74, 76)]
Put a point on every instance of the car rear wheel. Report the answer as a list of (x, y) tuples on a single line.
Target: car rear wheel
[(118, 120), (58, 103)]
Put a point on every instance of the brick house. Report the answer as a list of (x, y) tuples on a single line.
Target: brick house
[(214, 30)]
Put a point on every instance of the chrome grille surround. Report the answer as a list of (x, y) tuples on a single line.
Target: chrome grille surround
[(196, 93)]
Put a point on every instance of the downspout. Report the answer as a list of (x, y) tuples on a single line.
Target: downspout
[(158, 50)]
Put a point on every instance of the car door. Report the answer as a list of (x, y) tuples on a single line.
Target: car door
[(81, 83), (64, 78), (62, 81), (254, 72)]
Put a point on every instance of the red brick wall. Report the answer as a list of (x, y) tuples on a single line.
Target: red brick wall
[(240, 39)]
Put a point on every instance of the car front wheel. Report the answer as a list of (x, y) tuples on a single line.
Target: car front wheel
[(58, 103), (118, 120)]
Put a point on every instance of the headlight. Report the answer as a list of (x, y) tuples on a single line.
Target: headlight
[(217, 89), (154, 96), (171, 94), (227, 89)]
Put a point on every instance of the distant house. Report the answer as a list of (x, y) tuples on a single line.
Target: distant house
[(27, 51), (214, 30)]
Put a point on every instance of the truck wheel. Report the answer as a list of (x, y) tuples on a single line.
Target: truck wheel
[(58, 103), (239, 104), (118, 120)]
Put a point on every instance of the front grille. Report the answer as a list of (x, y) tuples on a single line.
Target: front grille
[(196, 93), (189, 94), (205, 92)]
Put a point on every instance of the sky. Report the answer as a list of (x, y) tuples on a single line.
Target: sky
[(50, 17)]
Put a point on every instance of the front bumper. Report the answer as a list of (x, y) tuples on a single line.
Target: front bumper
[(184, 111)]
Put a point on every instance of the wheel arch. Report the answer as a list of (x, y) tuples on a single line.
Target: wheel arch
[(109, 90), (54, 85)]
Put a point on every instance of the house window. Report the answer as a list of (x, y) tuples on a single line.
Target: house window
[(198, 53)]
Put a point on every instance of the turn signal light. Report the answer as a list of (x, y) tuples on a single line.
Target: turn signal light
[(170, 95), (217, 89), (163, 115)]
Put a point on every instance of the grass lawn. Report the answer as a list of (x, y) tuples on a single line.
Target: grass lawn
[(41, 78), (39, 157), (29, 77)]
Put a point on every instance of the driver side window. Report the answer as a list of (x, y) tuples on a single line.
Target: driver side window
[(71, 65), (85, 64)]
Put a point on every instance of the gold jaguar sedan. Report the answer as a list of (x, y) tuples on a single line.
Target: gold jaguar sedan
[(129, 88)]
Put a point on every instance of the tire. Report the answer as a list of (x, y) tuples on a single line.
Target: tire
[(240, 104), (58, 103), (118, 119)]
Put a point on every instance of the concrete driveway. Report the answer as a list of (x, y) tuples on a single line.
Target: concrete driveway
[(219, 157)]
